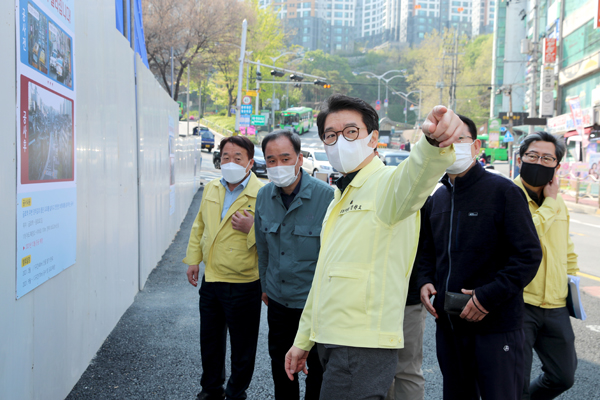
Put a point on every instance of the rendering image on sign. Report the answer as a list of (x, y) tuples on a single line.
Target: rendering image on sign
[(47, 151), (44, 45)]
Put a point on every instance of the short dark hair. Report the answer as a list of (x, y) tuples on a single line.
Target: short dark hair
[(470, 124), (276, 134), (559, 145), (340, 102), (241, 141)]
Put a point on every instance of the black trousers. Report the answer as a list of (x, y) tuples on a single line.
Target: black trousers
[(490, 365), (550, 333), (233, 306), (283, 325)]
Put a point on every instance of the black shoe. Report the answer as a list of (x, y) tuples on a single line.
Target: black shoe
[(207, 396)]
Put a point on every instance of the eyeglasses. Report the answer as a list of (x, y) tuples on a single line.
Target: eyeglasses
[(350, 133), (534, 157)]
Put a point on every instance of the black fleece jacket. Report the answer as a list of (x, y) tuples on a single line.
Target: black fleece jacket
[(479, 234)]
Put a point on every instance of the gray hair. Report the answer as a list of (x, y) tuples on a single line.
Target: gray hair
[(276, 134), (559, 145)]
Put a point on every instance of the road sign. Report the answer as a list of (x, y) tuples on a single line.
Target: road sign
[(244, 120), (258, 120), (385, 103), (246, 100), (508, 137), (378, 105), (252, 93), (246, 109), (502, 129)]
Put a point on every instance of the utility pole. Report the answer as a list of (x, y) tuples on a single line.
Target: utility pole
[(510, 130), (187, 101), (238, 103), (442, 78), (534, 64), (257, 89), (454, 72)]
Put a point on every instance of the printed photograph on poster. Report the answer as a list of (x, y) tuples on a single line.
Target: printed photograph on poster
[(45, 46), (60, 56), (37, 39), (47, 135)]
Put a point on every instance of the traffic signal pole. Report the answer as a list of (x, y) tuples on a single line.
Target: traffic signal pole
[(238, 103)]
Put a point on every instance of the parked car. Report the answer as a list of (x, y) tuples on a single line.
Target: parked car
[(315, 160), (393, 157), (207, 138), (260, 165)]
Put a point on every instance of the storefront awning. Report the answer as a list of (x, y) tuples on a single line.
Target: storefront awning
[(586, 132)]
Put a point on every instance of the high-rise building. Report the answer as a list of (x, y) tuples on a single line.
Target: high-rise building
[(335, 25), (317, 24)]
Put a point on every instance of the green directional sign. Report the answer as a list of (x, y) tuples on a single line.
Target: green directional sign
[(258, 120)]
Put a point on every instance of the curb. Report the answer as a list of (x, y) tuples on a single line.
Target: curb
[(582, 208)]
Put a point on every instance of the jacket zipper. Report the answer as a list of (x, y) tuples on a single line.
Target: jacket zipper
[(450, 247)]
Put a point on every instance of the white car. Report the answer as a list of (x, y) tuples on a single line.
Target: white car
[(315, 160)]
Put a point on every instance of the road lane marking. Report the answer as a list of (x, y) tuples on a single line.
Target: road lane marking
[(588, 276), (575, 233), (595, 328), (585, 223)]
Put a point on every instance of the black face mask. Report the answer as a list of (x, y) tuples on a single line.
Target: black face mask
[(536, 174)]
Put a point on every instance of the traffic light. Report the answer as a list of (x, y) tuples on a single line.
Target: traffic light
[(327, 86), (297, 85), (258, 76), (276, 73), (322, 83), (296, 78)]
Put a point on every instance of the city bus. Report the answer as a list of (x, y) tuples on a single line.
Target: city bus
[(300, 119), (499, 154)]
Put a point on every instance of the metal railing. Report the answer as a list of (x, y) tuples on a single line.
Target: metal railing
[(583, 190)]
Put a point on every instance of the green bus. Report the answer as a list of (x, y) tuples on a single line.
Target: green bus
[(299, 119), (499, 154)]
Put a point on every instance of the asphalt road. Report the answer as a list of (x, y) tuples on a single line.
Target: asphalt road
[(153, 352)]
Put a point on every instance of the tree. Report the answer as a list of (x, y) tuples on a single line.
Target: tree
[(265, 38), (191, 28)]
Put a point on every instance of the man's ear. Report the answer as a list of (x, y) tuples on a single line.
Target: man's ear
[(519, 161), (374, 139)]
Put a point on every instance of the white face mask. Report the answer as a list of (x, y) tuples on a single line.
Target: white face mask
[(233, 173), (464, 159), (345, 156), (284, 175)]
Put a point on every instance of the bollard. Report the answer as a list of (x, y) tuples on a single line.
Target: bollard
[(577, 190)]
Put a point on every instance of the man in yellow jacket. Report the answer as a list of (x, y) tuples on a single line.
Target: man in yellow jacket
[(354, 311), (230, 294), (547, 325)]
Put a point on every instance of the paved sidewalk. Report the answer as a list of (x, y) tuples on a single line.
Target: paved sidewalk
[(154, 351)]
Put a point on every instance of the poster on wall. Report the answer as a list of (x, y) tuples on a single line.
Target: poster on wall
[(46, 164), (171, 166)]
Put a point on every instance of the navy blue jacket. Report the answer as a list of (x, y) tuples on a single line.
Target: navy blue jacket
[(479, 234)]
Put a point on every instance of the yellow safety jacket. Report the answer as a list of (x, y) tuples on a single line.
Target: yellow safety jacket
[(368, 244), (229, 255), (549, 287)]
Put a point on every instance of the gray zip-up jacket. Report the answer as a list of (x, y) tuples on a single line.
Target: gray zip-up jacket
[(288, 240)]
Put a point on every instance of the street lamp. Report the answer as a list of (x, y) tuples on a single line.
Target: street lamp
[(405, 95), (386, 88), (379, 78)]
